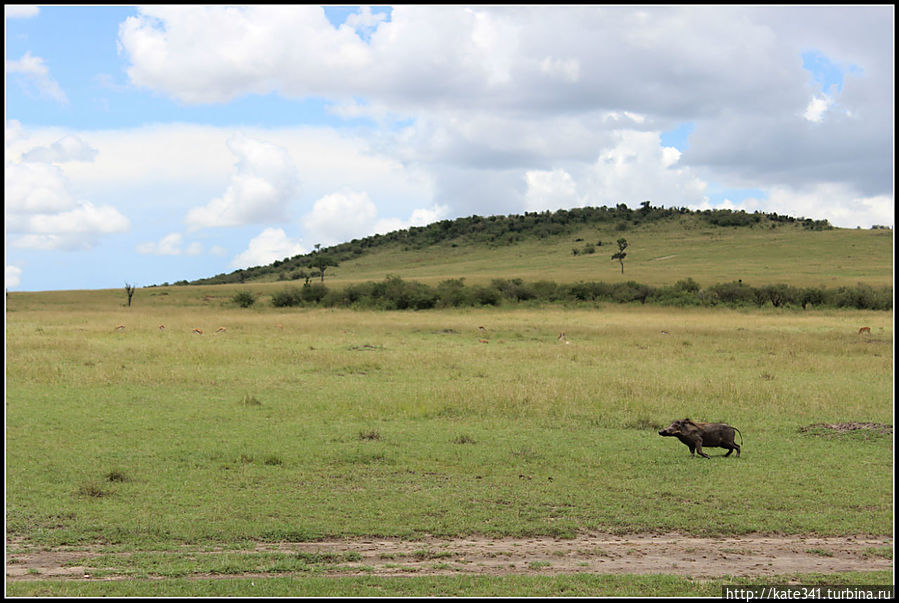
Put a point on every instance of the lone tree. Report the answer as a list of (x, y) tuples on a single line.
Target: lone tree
[(322, 261), (129, 289), (622, 245)]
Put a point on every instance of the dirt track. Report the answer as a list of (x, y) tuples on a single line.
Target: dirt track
[(635, 554)]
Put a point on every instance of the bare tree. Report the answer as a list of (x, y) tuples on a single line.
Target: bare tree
[(129, 289)]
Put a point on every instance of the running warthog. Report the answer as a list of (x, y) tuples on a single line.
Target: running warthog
[(696, 435)]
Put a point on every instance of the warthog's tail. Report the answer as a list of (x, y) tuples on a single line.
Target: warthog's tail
[(741, 436)]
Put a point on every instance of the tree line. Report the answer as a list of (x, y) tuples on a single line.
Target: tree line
[(395, 293)]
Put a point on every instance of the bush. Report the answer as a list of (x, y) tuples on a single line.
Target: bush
[(244, 299), (313, 293), (675, 296), (780, 295), (734, 293), (289, 296), (631, 291)]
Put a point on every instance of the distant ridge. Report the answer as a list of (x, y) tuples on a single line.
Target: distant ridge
[(497, 230)]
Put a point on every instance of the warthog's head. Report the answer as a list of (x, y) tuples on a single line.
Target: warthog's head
[(678, 428)]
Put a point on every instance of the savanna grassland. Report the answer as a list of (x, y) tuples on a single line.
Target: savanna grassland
[(145, 445)]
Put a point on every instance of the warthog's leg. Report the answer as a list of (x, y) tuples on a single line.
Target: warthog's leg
[(733, 447), (699, 450)]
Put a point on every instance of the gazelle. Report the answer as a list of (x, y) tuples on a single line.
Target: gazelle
[(197, 331), (221, 330), (119, 328), (864, 330)]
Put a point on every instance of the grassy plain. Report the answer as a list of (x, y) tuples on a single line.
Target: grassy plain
[(344, 424)]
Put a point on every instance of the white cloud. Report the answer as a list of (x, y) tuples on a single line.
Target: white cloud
[(292, 49), (419, 217), (172, 244), (340, 217), (36, 78), (20, 11), (817, 107), (78, 228), (13, 276), (67, 148), (550, 190), (835, 202), (639, 169), (35, 188), (168, 245), (270, 245), (40, 206), (490, 87), (347, 215), (264, 183)]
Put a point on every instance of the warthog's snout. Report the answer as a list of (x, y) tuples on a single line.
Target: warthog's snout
[(696, 434)]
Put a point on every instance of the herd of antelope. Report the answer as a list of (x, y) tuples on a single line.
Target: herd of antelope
[(195, 331)]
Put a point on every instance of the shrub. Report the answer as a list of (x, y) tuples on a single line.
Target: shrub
[(313, 293), (289, 296), (244, 299), (734, 293)]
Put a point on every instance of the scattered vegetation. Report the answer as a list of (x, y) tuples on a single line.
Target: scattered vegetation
[(395, 293), (500, 231)]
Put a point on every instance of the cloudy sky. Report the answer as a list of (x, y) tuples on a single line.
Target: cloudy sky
[(149, 145)]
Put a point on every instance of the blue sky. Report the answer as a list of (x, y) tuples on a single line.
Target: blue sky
[(163, 143)]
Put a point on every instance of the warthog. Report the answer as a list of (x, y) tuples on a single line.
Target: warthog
[(696, 435)]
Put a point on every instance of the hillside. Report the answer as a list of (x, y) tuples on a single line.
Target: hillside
[(664, 245)]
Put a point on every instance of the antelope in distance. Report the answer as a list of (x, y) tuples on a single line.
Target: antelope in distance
[(221, 330), (864, 330), (119, 328), (197, 331)]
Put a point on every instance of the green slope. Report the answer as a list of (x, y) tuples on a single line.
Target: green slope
[(664, 246)]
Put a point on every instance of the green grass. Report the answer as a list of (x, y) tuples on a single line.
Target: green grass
[(657, 254), (355, 429), (350, 424)]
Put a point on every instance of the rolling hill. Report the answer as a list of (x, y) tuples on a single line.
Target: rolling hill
[(567, 246)]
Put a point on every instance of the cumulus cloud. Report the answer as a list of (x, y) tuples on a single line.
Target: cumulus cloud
[(339, 217), (348, 215), (167, 245), (67, 148), (40, 206), (639, 169), (265, 181), (172, 244), (35, 188), (835, 202), (493, 88), (292, 49), (13, 276), (34, 76), (270, 245), (550, 190), (77, 228)]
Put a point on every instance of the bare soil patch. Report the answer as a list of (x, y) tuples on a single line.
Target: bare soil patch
[(749, 555), (843, 428)]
